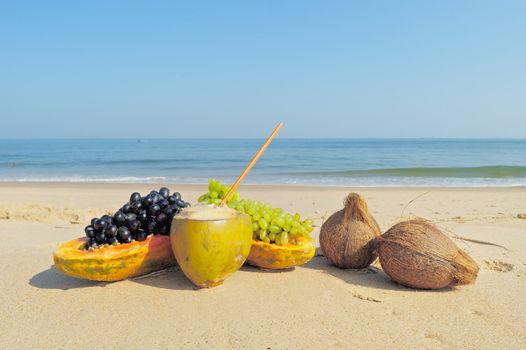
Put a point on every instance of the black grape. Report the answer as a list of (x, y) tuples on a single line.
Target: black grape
[(111, 231), (140, 235), (135, 197), (161, 218), (90, 231), (134, 225), (119, 217), (142, 216), (165, 192), (154, 209)]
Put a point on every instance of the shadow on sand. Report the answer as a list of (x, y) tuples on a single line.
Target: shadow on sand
[(249, 268), (369, 277), (54, 279), (171, 278)]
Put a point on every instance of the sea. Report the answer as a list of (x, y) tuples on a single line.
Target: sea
[(320, 162)]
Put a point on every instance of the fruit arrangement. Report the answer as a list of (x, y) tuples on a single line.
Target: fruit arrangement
[(132, 242), (280, 240)]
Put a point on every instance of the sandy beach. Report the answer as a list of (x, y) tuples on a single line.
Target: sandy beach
[(312, 306)]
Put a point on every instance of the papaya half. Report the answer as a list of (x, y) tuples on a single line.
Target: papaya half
[(281, 256), (114, 263)]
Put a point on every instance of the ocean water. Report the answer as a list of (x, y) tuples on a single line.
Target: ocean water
[(326, 162)]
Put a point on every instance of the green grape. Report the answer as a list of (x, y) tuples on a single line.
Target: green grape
[(247, 204), (223, 190), (239, 207), (279, 221), (272, 236), (302, 231), (308, 222), (216, 201), (308, 227), (251, 210), (274, 229), (288, 219), (266, 240), (256, 216), (214, 185), (296, 217), (295, 223), (294, 231), (263, 224), (286, 227), (284, 237), (263, 234), (277, 211), (235, 196), (203, 198), (278, 238), (267, 216), (255, 226)]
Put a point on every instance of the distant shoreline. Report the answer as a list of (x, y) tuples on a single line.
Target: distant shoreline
[(292, 187)]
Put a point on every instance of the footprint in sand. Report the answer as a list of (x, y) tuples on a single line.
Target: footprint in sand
[(459, 219), (521, 216), (436, 336), (498, 266), (391, 312), (476, 312)]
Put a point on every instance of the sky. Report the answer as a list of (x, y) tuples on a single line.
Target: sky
[(342, 69)]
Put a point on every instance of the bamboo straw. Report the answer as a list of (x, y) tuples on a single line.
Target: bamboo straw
[(251, 164)]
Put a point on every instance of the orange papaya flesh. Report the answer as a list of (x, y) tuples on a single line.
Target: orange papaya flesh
[(275, 256), (114, 263)]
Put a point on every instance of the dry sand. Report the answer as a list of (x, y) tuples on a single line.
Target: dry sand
[(312, 306)]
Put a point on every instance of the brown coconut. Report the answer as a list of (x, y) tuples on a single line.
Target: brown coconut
[(345, 237), (415, 253)]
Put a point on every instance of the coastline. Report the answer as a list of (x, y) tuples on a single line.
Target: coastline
[(315, 305), (97, 184)]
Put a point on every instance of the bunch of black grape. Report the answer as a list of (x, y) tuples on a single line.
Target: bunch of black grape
[(138, 218)]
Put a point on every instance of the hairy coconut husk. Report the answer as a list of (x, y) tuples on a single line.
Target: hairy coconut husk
[(417, 254), (345, 237)]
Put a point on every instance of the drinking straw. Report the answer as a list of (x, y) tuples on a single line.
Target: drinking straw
[(250, 165)]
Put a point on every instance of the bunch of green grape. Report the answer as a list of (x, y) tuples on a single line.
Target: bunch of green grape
[(269, 224)]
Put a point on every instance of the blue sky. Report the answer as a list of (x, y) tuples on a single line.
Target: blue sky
[(234, 68)]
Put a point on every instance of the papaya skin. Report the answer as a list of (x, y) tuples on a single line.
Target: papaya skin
[(275, 256), (114, 263)]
